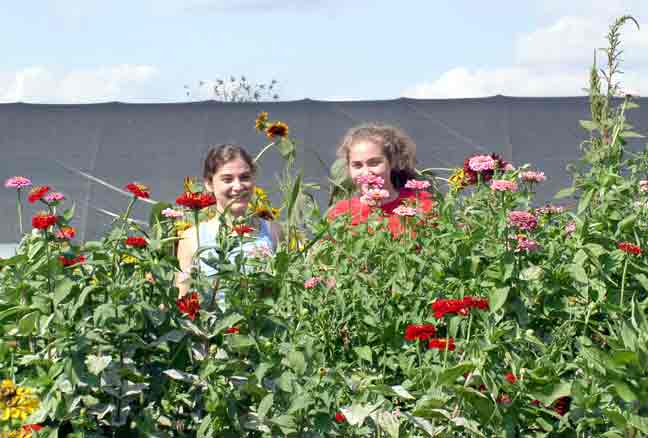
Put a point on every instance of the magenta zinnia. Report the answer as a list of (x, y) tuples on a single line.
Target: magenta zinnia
[(522, 220), (17, 182), (502, 185), (414, 184)]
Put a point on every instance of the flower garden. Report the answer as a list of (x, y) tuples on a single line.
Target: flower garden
[(487, 316)]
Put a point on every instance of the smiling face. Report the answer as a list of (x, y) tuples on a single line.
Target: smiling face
[(368, 158), (232, 185)]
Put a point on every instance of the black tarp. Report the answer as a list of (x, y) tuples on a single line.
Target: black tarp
[(65, 146)]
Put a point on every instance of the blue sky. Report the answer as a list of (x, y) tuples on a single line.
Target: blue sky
[(147, 50)]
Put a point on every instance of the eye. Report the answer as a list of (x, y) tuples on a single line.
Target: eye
[(356, 165), (227, 180), (246, 177)]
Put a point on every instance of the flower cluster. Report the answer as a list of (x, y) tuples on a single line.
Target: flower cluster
[(417, 185), (43, 220), (261, 121), (403, 210), (629, 248), (419, 332), (522, 220), (372, 190), (16, 402), (482, 166), (525, 244), (458, 306), (533, 177), (18, 182), (136, 242), (261, 206), (189, 305), (442, 344), (171, 213), (65, 233), (138, 190), (312, 282), (65, 261), (503, 185), (53, 197), (37, 193), (550, 209), (196, 200)]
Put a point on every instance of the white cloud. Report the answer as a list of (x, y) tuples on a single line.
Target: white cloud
[(550, 61), (42, 85)]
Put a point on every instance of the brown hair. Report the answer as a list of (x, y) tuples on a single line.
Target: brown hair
[(217, 156), (398, 147)]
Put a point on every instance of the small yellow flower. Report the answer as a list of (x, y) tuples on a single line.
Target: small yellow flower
[(16, 402), (128, 259), (457, 180), (181, 226), (260, 194), (277, 129), (261, 121)]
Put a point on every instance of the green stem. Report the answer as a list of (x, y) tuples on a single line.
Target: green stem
[(623, 277), (19, 209), (196, 214), (469, 327)]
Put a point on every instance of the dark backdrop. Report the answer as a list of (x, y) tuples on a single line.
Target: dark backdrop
[(66, 146)]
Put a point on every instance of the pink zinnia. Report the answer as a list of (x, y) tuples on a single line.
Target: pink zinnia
[(403, 210), (533, 177), (372, 197), (550, 209), (312, 282), (522, 220), (17, 182), (643, 185), (53, 197), (414, 184), (570, 227), (370, 180), (480, 163), (526, 244), (172, 213), (502, 185)]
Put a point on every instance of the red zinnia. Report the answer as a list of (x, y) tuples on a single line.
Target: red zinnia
[(421, 332), (339, 417), (630, 248), (511, 378), (137, 242), (232, 330), (196, 201), (503, 399), (67, 233), (442, 344), (459, 307), (37, 193), (43, 220), (242, 229), (73, 261), (562, 405), (189, 305), (32, 427), (139, 190)]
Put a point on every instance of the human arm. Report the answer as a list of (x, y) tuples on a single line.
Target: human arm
[(187, 247)]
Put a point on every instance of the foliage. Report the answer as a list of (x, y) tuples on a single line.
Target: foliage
[(333, 337), (239, 90)]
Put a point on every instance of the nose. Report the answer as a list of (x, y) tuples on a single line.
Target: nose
[(236, 185)]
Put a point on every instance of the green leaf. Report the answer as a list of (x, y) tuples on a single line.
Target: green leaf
[(225, 323), (297, 362), (564, 193), (625, 391), (589, 125), (357, 414), (626, 223), (641, 423), (286, 423), (450, 375), (240, 342), (293, 196), (584, 202), (631, 134), (642, 279), (62, 290), (286, 148), (497, 298), (426, 407), (265, 405), (96, 364), (364, 353), (27, 323), (531, 273), (552, 392), (578, 273)]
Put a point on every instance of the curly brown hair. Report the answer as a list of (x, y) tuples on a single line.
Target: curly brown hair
[(398, 147)]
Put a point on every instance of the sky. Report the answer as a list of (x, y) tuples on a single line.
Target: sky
[(88, 51)]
